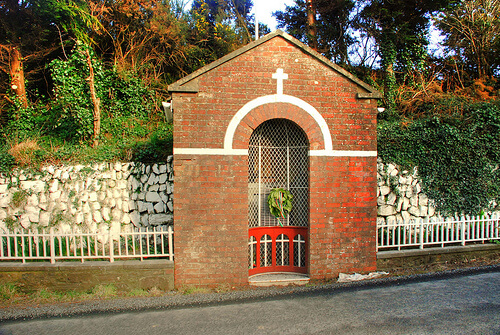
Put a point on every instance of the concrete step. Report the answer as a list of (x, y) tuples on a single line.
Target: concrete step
[(278, 279)]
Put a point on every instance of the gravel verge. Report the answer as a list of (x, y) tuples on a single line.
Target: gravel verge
[(172, 300)]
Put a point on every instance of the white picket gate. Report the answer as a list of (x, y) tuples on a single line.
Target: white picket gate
[(51, 244), (439, 232)]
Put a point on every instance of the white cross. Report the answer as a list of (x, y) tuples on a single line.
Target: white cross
[(280, 76)]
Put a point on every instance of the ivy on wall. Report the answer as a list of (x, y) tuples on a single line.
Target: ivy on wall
[(458, 156)]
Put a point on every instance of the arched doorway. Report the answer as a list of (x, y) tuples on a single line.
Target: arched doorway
[(278, 158)]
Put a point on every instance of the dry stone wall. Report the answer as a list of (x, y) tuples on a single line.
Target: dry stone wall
[(116, 194), (99, 196), (400, 196)]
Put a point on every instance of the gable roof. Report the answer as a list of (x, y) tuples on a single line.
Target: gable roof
[(189, 84)]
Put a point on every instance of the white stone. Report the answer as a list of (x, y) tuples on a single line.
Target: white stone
[(381, 200), (386, 210), (406, 204), (153, 188), (414, 200), (380, 221), (118, 166), (431, 211), (55, 196), (125, 218), (418, 188), (406, 216), (150, 207), (24, 221), (33, 214), (171, 177), (424, 210), (391, 199), (163, 168), (111, 183), (384, 190), (54, 186), (142, 206), (144, 178), (415, 211), (93, 196), (153, 197), (145, 220), (423, 199), (152, 179), (119, 175), (97, 217), (135, 217), (163, 178), (161, 219), (4, 188), (163, 188), (106, 213), (170, 188), (399, 204), (155, 169), (170, 206), (35, 186), (121, 184), (88, 219), (5, 200), (159, 207), (86, 208), (44, 219), (33, 200), (65, 175), (409, 192), (165, 198)]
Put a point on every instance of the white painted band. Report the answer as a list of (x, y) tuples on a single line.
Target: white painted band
[(343, 153), (249, 106)]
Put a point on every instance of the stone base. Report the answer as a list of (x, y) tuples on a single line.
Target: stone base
[(75, 276)]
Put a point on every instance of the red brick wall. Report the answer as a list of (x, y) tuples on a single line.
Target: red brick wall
[(211, 205)]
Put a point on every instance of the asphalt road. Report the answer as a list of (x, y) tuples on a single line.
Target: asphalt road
[(458, 304)]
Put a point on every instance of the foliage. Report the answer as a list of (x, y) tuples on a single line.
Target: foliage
[(399, 28), (280, 202), (332, 26), (456, 154), (472, 35)]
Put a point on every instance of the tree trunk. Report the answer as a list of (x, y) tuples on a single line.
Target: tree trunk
[(17, 75), (95, 101), (311, 25)]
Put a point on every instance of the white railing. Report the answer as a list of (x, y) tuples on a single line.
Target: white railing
[(28, 245), (438, 232)]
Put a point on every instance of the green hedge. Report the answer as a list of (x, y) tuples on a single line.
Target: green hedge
[(458, 156)]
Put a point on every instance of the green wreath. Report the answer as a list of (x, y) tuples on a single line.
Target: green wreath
[(280, 203)]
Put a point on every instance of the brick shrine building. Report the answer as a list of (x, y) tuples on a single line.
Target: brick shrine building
[(273, 114)]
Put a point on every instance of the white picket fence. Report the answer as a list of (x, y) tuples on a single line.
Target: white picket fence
[(53, 245), (439, 232)]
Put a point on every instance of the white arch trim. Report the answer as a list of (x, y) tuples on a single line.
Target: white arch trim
[(249, 106), (267, 99)]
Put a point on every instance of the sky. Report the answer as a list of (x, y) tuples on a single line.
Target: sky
[(265, 8)]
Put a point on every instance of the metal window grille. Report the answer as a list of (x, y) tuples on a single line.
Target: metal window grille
[(278, 158)]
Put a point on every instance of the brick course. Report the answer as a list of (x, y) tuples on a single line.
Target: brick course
[(211, 191)]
